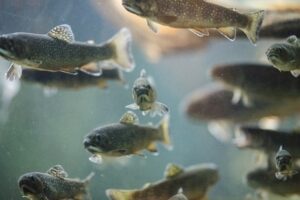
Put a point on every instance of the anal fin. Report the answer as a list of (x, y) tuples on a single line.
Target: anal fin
[(228, 32), (92, 69), (14, 72), (152, 26)]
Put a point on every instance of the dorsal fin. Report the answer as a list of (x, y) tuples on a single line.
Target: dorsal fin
[(173, 170), (129, 118), (62, 32), (57, 171)]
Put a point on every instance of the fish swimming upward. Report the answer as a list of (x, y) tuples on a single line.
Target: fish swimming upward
[(58, 51), (53, 185), (197, 16)]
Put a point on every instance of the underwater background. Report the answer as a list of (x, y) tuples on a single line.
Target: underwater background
[(41, 131)]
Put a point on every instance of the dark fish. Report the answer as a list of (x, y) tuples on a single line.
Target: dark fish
[(144, 96), (264, 179), (251, 81), (286, 56), (268, 140), (53, 185), (69, 81), (58, 51), (198, 16), (126, 138), (284, 165), (194, 181)]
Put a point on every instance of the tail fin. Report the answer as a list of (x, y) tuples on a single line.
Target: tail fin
[(120, 194), (123, 56), (254, 25), (164, 131), (88, 178)]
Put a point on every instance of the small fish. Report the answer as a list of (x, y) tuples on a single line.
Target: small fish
[(264, 179), (67, 81), (286, 56), (194, 180), (268, 140), (179, 196), (53, 185), (58, 51), (284, 165), (126, 138), (144, 96), (197, 16), (248, 82)]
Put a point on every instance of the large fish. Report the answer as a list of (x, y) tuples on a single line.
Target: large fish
[(53, 185), (198, 16), (58, 51), (194, 181)]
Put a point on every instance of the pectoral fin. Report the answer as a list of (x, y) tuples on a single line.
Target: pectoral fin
[(14, 72), (295, 73), (200, 32), (152, 26), (58, 171), (62, 32), (92, 69), (129, 118), (228, 32), (152, 148), (133, 106)]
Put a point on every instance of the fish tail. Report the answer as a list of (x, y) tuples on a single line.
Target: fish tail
[(120, 194), (164, 131), (89, 178), (123, 55), (253, 28)]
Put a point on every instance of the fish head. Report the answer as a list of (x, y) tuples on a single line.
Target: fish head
[(144, 96), (283, 160), (282, 56), (12, 47), (31, 184), (97, 142), (143, 8)]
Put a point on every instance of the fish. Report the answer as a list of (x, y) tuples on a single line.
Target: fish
[(53, 185), (144, 97), (250, 81), (198, 16), (268, 141), (57, 51), (284, 165), (194, 180), (264, 179), (63, 80), (285, 56), (126, 137)]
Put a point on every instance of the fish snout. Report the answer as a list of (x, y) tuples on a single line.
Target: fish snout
[(86, 142)]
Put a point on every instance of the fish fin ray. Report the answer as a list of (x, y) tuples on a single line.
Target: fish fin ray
[(129, 118), (62, 32), (159, 108), (254, 26), (200, 32), (123, 55), (14, 72), (228, 32), (114, 194), (153, 27), (92, 69), (172, 170), (57, 171)]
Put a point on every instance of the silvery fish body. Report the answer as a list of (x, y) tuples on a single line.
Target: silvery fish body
[(197, 15), (53, 185), (58, 51), (194, 181)]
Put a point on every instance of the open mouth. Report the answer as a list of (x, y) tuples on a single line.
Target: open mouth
[(132, 8), (93, 149), (27, 190)]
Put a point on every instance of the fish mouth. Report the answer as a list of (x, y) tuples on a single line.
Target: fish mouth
[(6, 54), (93, 149), (26, 190), (132, 8)]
